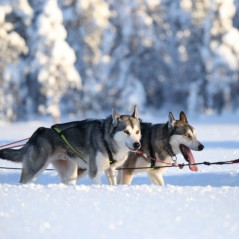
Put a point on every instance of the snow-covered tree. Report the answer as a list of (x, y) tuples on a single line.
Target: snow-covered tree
[(158, 44), (163, 54), (86, 22), (12, 46), (53, 58), (221, 54)]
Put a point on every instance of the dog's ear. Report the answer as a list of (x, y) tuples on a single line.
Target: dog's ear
[(183, 117), (171, 121), (115, 117), (135, 113)]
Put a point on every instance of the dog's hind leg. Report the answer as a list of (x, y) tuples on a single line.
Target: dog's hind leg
[(81, 172), (33, 164), (67, 170), (29, 174)]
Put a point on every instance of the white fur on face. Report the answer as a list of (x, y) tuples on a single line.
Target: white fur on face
[(189, 139), (127, 140)]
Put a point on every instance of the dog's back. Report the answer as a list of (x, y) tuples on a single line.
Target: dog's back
[(85, 136)]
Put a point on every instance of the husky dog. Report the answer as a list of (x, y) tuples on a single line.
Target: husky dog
[(162, 142), (79, 147)]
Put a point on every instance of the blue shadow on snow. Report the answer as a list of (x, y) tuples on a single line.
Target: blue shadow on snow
[(190, 179)]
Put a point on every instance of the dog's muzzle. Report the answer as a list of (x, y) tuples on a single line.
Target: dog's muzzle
[(136, 145), (200, 147)]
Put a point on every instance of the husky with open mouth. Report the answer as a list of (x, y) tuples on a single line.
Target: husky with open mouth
[(162, 142)]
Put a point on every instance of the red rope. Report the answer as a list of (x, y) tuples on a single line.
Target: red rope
[(4, 146), (154, 159), (16, 146)]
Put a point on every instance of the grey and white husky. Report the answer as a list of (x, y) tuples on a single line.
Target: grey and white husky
[(80, 147), (162, 142)]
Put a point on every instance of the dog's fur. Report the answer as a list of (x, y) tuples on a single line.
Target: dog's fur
[(97, 141), (163, 141)]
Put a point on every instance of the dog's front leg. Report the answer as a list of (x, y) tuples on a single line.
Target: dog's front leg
[(125, 177), (156, 177), (111, 176)]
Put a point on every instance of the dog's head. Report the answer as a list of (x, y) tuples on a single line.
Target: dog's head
[(183, 138), (126, 131)]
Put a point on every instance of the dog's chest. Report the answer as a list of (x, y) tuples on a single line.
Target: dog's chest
[(120, 157)]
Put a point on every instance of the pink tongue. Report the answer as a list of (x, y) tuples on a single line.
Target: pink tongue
[(191, 161)]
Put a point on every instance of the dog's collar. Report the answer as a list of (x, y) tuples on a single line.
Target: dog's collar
[(169, 150)]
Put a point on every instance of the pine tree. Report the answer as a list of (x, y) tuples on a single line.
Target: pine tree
[(221, 55), (12, 46), (53, 59)]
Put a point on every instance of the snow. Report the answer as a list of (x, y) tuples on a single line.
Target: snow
[(191, 205), (125, 50), (145, 211)]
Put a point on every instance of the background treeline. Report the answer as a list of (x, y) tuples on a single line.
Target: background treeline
[(82, 57)]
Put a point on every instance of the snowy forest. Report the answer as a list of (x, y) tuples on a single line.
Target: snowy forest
[(76, 57)]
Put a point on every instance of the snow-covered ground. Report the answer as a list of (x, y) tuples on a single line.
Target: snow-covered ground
[(191, 205)]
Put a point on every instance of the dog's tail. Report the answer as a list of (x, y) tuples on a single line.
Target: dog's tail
[(11, 155)]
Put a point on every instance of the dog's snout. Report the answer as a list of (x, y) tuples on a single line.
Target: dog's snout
[(136, 145), (200, 147)]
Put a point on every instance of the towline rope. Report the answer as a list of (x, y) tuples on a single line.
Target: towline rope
[(168, 165), (47, 169), (181, 166), (173, 165), (9, 144)]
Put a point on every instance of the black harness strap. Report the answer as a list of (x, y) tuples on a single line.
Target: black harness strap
[(150, 147), (109, 152), (168, 147)]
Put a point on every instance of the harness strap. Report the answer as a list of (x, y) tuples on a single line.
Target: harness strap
[(109, 152), (168, 148), (63, 137), (151, 151)]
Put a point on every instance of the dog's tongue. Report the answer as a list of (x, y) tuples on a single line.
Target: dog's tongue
[(189, 157)]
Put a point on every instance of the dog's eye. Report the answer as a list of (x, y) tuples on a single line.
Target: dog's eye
[(137, 132), (126, 132), (188, 136)]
